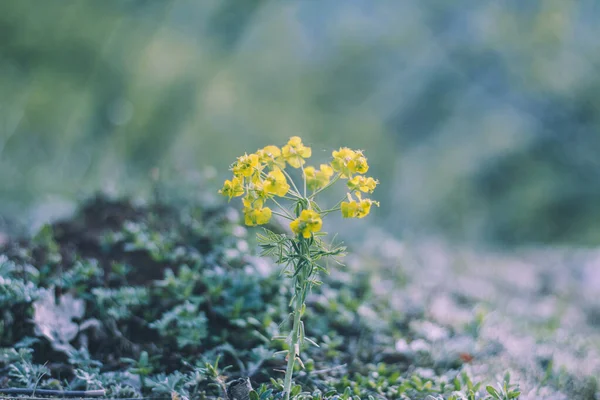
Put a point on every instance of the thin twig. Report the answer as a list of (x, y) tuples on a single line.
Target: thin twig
[(322, 371), (61, 393), (61, 398)]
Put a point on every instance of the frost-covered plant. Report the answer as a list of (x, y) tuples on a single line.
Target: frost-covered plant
[(261, 178)]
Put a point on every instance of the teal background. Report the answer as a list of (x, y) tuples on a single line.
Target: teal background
[(479, 118)]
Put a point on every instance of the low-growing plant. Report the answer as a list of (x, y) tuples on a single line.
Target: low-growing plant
[(504, 390), (142, 367), (197, 323), (185, 323), (261, 177)]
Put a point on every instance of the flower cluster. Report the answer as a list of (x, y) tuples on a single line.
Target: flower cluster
[(261, 176)]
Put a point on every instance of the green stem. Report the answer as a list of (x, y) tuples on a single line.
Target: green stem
[(297, 192), (288, 215), (294, 348), (334, 180), (334, 208), (300, 287), (303, 179), (282, 215)]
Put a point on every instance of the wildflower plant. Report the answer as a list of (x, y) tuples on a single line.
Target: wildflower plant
[(261, 178)]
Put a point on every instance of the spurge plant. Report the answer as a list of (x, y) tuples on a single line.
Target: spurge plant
[(261, 178)]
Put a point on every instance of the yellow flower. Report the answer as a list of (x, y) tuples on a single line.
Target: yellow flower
[(233, 188), (246, 165), (308, 222), (343, 161), (254, 212), (256, 198), (257, 195), (317, 179), (294, 152), (271, 156), (349, 209), (257, 216), (363, 184), (360, 163), (357, 209), (348, 162), (255, 179), (252, 201), (275, 183)]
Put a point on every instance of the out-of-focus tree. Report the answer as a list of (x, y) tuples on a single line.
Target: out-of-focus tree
[(480, 118)]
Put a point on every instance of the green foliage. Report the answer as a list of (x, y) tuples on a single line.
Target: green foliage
[(504, 391), (185, 323), (121, 303), (25, 373), (15, 290), (284, 250), (189, 322), (83, 274)]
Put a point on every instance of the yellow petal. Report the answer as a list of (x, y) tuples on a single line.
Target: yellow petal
[(295, 141), (295, 161), (263, 215), (361, 165), (282, 189), (309, 172), (349, 209), (295, 226), (305, 152), (326, 170)]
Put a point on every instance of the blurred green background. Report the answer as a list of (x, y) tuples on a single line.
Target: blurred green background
[(481, 119)]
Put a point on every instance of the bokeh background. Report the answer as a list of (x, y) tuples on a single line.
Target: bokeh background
[(481, 119)]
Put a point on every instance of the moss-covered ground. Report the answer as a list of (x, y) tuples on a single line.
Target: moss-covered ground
[(149, 300)]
